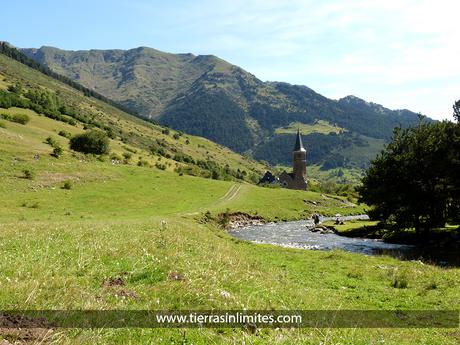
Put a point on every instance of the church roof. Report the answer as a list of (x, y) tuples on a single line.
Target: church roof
[(298, 143)]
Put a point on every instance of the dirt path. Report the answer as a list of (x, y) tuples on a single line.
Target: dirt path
[(231, 194)]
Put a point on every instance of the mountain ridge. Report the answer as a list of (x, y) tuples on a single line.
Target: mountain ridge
[(208, 96)]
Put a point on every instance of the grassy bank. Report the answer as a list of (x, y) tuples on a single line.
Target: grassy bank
[(129, 237)]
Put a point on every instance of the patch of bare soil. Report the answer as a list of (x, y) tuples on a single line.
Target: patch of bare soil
[(113, 286), (176, 276), (113, 281), (125, 293), (20, 329), (241, 219)]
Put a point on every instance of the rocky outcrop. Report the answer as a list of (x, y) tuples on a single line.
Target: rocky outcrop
[(240, 219), (323, 229)]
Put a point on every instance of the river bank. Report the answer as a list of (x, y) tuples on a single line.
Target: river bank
[(304, 234)]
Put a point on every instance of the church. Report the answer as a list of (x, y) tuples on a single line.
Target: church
[(297, 179)]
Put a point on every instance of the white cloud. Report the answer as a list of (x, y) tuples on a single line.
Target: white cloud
[(389, 51)]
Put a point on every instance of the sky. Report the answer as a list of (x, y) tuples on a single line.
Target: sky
[(403, 54)]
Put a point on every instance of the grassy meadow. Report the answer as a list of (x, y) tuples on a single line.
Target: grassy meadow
[(60, 246), (320, 126), (70, 226)]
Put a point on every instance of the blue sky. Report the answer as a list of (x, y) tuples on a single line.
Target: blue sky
[(402, 54)]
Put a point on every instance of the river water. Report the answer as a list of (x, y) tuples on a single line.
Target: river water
[(296, 235)]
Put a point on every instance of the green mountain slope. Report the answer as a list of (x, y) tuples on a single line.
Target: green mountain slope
[(206, 96), (58, 107)]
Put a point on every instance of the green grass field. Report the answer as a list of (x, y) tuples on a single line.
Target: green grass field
[(320, 126), (59, 248)]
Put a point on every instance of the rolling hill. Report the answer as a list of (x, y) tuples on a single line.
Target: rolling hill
[(207, 96)]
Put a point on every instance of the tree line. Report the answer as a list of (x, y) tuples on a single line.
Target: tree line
[(415, 182)]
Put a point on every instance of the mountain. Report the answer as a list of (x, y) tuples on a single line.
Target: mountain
[(59, 108), (207, 96)]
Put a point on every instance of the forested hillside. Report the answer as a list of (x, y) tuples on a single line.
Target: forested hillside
[(25, 92), (207, 96)]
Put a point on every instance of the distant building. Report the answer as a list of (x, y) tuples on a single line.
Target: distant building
[(269, 178), (297, 179)]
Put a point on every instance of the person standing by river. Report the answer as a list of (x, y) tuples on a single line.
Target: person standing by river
[(315, 218)]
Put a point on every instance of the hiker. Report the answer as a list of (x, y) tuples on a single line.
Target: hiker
[(315, 218)]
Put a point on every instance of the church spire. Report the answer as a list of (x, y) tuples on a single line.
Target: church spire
[(298, 142)]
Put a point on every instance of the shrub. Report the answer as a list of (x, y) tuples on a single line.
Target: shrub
[(93, 141), (18, 118), (57, 152), (67, 185), (2, 124), (21, 118), (52, 142), (142, 163), (28, 174), (399, 280), (224, 219), (160, 166), (65, 134), (215, 175), (115, 157), (431, 286), (16, 88)]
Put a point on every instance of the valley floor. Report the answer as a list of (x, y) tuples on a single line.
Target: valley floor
[(128, 237)]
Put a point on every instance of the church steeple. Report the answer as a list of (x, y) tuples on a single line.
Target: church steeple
[(298, 142), (299, 164), (298, 178)]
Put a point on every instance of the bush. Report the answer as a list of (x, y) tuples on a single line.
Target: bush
[(399, 280), (224, 219), (16, 88), (28, 174), (52, 142), (160, 166), (21, 118), (57, 152), (115, 157), (142, 163), (18, 118), (67, 185), (93, 141), (2, 124), (65, 134), (215, 175)]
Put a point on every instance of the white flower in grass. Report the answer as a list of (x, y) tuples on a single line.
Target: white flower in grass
[(225, 294)]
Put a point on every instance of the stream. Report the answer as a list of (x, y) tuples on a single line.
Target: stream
[(296, 234)]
